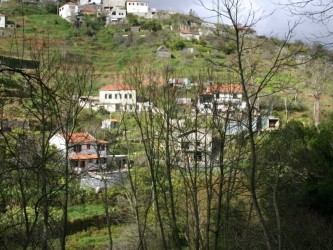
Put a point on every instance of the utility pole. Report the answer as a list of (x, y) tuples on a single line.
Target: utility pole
[(218, 12)]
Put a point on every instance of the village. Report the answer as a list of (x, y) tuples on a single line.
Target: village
[(125, 124)]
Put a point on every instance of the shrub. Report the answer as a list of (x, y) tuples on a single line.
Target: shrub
[(178, 45)]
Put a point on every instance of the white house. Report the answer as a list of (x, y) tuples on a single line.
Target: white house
[(140, 8), (2, 21), (189, 35), (115, 14), (111, 4), (221, 98), (195, 147), (110, 123), (85, 152), (117, 97), (68, 11)]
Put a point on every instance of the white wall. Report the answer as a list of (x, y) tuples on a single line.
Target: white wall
[(125, 99), (137, 7), (2, 21), (68, 11)]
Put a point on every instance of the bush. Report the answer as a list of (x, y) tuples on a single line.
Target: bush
[(151, 25), (178, 45)]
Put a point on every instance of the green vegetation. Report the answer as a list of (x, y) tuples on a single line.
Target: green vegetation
[(190, 182)]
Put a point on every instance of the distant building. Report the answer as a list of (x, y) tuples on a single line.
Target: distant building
[(110, 124), (163, 52), (269, 123), (115, 14), (2, 21), (189, 35), (9, 125), (110, 5), (139, 8), (135, 28), (85, 152), (69, 11), (85, 2), (221, 98), (180, 82), (117, 97)]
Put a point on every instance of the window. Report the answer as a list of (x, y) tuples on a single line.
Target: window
[(197, 143), (88, 146), (119, 96), (125, 96), (101, 147), (198, 156), (130, 107), (101, 161), (130, 96), (115, 96), (77, 148), (106, 96), (185, 145), (110, 96)]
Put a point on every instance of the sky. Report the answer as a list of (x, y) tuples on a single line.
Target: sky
[(275, 24)]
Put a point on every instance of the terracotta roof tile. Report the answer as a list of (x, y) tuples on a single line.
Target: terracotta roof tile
[(116, 87), (225, 88), (83, 137), (85, 157)]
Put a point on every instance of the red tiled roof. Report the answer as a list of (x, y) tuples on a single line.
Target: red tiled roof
[(85, 157), (111, 120), (225, 88), (116, 87), (70, 3), (186, 32), (245, 28), (83, 137)]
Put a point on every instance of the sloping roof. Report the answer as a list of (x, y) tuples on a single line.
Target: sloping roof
[(186, 32), (111, 87), (89, 9), (85, 157), (83, 138), (2, 14), (70, 3), (225, 88), (163, 49), (245, 28), (111, 120)]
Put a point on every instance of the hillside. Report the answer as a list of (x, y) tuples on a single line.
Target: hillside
[(203, 136), (111, 48)]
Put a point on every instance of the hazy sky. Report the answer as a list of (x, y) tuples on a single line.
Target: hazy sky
[(276, 24)]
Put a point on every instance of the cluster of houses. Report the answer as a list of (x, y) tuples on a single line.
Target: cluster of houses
[(90, 158), (115, 10)]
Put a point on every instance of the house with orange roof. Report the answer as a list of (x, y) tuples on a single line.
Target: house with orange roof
[(221, 98), (85, 152), (189, 35), (68, 11), (2, 21), (117, 97)]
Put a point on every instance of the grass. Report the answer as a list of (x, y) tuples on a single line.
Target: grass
[(84, 211), (93, 238)]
